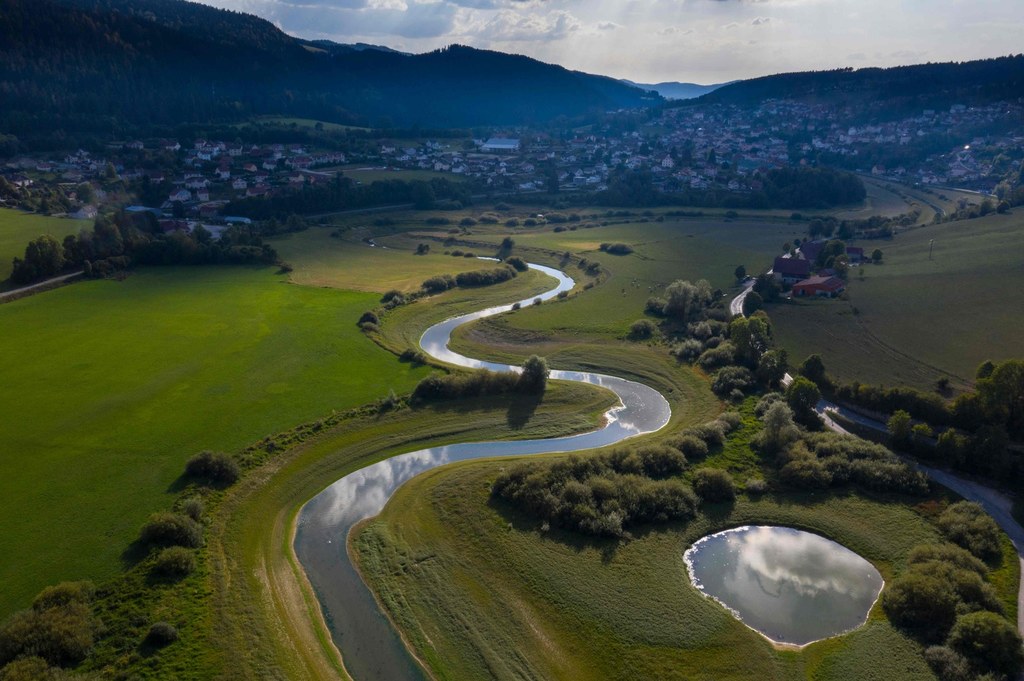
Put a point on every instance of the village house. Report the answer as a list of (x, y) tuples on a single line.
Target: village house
[(791, 270)]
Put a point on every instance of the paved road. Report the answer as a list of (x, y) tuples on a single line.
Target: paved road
[(995, 503), (48, 282)]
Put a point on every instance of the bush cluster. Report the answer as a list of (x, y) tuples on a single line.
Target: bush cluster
[(532, 380), (616, 249), (59, 627), (174, 562), (213, 467), (967, 524), (602, 495), (443, 282), (943, 596), (172, 529)]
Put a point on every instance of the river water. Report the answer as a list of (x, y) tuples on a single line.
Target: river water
[(369, 645)]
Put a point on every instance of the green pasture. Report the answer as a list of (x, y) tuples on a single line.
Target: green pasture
[(110, 386), (304, 123), (913, 320), (17, 228), (347, 262)]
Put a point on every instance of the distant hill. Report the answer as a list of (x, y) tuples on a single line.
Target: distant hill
[(673, 90), (938, 85), (118, 67)]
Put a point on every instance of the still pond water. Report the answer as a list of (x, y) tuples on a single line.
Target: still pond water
[(792, 587)]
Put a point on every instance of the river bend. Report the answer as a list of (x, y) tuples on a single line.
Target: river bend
[(370, 647)]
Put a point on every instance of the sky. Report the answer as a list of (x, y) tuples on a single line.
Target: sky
[(648, 41)]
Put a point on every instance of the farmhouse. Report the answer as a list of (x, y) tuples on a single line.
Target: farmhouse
[(828, 287), (791, 270)]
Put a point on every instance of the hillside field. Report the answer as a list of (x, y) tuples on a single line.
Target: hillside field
[(913, 320)]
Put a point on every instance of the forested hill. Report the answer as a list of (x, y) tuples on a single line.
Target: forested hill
[(924, 85), (118, 67)]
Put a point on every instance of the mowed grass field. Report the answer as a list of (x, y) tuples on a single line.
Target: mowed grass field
[(913, 319), (482, 592), (17, 228), (348, 262), (109, 387)]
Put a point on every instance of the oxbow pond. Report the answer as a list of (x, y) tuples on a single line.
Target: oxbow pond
[(792, 587)]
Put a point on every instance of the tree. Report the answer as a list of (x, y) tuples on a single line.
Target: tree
[(768, 287), (876, 256), (534, 378), (779, 429), (752, 302), (988, 641), (771, 368), (1002, 395), (751, 336), (802, 396), (44, 257), (714, 485), (899, 428), (740, 273), (684, 300), (813, 368)]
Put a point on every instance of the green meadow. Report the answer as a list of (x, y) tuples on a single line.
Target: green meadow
[(17, 228), (109, 387), (915, 319), (346, 261), (482, 591)]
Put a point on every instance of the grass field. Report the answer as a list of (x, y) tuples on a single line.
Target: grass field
[(110, 386), (18, 228), (304, 123), (913, 320), (368, 175), (349, 263)]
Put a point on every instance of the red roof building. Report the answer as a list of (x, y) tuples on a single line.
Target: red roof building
[(791, 270), (829, 287)]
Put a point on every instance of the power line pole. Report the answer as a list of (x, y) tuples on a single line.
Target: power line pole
[(931, 243)]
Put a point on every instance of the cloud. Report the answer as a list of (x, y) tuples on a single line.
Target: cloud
[(510, 26), (760, 21), (608, 26)]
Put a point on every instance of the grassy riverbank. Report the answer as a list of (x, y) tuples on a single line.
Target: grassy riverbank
[(17, 228)]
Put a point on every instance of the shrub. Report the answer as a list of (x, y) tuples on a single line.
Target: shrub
[(484, 277), (923, 604), (731, 378), (714, 485), (947, 664), (161, 634), (616, 249), (642, 329), (989, 642), (213, 467), (756, 486), (174, 562), (193, 508), (413, 356), (172, 529), (716, 358), (517, 263), (438, 284), (369, 327), (691, 447), (967, 524), (59, 627), (806, 473), (368, 317), (688, 350)]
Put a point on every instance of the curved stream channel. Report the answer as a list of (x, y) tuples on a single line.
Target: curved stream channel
[(369, 645)]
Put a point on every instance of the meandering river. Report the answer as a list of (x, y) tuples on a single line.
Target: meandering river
[(369, 645)]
